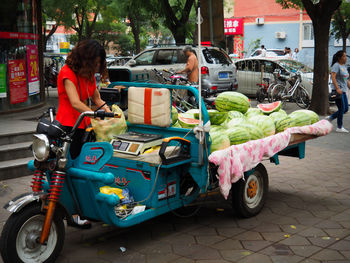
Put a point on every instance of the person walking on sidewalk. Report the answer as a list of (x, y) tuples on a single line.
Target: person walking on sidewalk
[(340, 83)]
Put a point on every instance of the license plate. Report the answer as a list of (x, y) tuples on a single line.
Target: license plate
[(223, 75)]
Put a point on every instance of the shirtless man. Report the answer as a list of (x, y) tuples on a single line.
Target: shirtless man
[(191, 68)]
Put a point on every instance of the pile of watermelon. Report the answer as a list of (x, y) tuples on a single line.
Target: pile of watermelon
[(235, 122)]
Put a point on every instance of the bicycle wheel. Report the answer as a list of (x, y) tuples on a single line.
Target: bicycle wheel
[(302, 97), (269, 91), (278, 93)]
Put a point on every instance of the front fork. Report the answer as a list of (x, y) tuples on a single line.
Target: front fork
[(57, 181)]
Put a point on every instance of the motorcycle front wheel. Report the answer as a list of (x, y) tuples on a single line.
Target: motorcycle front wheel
[(20, 237)]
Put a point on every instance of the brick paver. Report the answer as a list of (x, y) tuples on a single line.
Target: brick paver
[(306, 219)]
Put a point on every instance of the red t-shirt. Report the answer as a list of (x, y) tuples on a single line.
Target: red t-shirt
[(66, 114)]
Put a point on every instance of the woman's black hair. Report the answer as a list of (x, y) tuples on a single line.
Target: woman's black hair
[(83, 56), (337, 57)]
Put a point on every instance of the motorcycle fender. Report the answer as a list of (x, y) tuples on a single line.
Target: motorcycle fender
[(20, 201)]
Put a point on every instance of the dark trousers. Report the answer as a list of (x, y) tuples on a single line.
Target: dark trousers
[(343, 107)]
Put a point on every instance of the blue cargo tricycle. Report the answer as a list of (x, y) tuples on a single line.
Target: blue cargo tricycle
[(117, 182)]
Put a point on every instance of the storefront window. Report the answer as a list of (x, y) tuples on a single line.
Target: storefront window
[(19, 68)]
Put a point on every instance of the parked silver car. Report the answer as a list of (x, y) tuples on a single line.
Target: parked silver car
[(216, 67), (252, 71)]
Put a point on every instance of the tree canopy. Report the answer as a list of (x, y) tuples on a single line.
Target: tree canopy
[(320, 12), (341, 23)]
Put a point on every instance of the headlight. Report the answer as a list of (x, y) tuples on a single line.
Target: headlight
[(41, 147)]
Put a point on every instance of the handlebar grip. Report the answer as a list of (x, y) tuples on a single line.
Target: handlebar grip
[(102, 114)]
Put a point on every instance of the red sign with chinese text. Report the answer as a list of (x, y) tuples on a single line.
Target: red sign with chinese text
[(18, 80), (233, 26), (238, 46), (33, 69)]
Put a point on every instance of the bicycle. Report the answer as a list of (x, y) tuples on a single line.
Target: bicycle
[(294, 92)]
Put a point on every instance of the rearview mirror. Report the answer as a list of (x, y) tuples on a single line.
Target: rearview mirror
[(132, 62)]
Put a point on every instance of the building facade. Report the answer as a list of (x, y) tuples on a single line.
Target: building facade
[(19, 55), (277, 28)]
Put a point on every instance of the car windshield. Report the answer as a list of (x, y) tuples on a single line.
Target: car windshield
[(294, 66), (214, 56), (145, 58)]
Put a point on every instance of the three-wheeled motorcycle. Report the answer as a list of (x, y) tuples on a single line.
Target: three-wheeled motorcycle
[(119, 182)]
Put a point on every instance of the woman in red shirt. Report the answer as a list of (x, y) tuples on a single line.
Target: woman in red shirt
[(76, 87)]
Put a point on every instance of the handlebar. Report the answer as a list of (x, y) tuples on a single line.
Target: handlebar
[(94, 114)]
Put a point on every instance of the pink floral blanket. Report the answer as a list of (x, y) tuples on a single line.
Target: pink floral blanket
[(237, 159)]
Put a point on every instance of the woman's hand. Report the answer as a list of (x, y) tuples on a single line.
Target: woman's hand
[(339, 91)]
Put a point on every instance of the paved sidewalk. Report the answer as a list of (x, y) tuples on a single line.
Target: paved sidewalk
[(306, 219)]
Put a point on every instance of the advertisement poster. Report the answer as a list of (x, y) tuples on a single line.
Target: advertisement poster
[(233, 26), (238, 46), (3, 81), (33, 69), (18, 82)]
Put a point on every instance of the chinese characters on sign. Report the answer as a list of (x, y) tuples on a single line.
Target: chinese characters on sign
[(33, 69), (238, 46), (17, 78), (233, 26)]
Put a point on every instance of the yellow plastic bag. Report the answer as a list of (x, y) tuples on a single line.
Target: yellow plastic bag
[(109, 127), (112, 190)]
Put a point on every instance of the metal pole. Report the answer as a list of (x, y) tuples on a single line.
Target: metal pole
[(200, 156)]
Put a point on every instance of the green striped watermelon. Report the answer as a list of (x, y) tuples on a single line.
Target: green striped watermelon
[(265, 123), (300, 118), (215, 117), (253, 112), (234, 123), (174, 114), (219, 141), (282, 111), (235, 114), (237, 135), (232, 101), (176, 125), (277, 115), (186, 122), (254, 131), (283, 123), (216, 128), (270, 107), (313, 115)]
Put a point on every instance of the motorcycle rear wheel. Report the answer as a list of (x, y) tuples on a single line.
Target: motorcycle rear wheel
[(19, 238)]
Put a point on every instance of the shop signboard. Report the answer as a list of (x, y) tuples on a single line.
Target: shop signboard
[(18, 81), (33, 69), (233, 26), (3, 81)]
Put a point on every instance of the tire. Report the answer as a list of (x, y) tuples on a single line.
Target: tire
[(302, 97), (278, 92), (249, 195), (269, 90), (22, 229)]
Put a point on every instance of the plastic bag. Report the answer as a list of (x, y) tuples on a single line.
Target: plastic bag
[(106, 129)]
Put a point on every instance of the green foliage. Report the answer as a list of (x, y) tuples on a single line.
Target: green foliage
[(340, 22), (297, 4)]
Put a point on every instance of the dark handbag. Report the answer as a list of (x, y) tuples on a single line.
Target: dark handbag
[(334, 95), (89, 134)]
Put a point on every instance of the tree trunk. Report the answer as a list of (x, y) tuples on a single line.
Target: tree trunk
[(344, 42), (135, 29), (179, 36), (319, 102)]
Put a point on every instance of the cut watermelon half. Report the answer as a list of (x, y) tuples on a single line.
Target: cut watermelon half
[(187, 122), (270, 107)]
